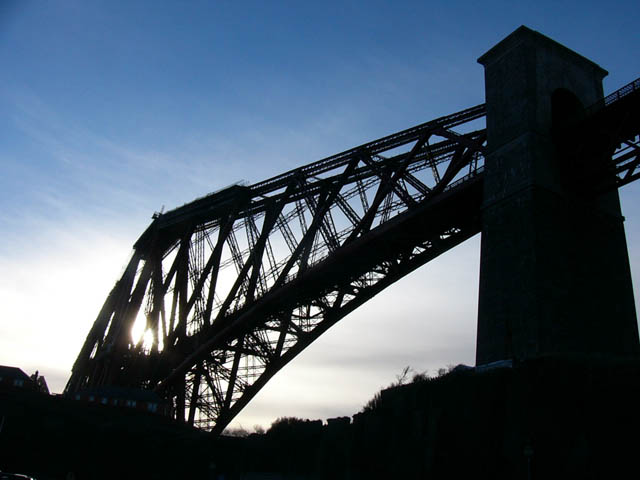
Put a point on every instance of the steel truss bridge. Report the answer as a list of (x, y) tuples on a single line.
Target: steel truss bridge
[(231, 287)]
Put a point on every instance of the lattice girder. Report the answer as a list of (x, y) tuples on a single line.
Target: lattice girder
[(229, 288), (226, 290)]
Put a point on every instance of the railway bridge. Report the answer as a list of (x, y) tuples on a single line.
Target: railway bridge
[(231, 287)]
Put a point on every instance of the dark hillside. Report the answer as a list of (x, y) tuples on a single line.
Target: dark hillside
[(548, 418)]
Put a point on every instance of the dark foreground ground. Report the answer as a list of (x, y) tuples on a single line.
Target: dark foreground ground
[(546, 418)]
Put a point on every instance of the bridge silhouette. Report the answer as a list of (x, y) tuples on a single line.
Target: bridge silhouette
[(231, 287)]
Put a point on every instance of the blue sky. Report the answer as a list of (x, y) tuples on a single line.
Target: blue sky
[(111, 109)]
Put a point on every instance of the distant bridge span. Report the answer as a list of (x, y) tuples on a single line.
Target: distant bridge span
[(232, 286)]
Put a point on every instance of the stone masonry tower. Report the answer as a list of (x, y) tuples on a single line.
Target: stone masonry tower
[(554, 268)]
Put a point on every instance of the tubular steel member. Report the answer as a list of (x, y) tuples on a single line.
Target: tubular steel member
[(226, 290)]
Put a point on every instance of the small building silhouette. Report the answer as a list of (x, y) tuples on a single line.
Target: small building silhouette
[(13, 378)]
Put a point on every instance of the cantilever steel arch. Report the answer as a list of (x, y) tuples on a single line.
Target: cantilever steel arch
[(232, 286)]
